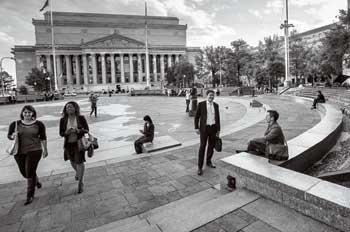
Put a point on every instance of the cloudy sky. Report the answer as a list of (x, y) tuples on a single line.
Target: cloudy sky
[(210, 22)]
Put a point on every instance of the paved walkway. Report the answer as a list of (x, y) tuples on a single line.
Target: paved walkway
[(122, 189)]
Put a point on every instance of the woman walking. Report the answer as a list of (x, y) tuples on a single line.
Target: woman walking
[(73, 126), (148, 134), (31, 146)]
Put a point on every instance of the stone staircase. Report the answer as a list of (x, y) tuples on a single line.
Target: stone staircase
[(185, 214)]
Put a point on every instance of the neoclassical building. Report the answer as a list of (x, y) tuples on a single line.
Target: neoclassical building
[(97, 52)]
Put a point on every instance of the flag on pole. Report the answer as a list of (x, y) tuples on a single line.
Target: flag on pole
[(46, 4)]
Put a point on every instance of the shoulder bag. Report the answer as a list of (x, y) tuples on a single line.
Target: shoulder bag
[(277, 151), (13, 148)]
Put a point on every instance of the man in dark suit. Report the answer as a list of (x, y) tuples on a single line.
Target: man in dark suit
[(207, 125)]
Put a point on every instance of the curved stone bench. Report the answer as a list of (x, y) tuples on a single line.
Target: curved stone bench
[(321, 200)]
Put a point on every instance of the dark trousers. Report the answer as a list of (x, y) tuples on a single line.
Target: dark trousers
[(93, 109), (316, 100), (188, 105), (138, 143), (27, 164), (206, 137), (256, 148)]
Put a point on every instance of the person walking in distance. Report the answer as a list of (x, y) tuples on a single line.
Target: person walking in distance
[(188, 100), (207, 125), (73, 126), (31, 146), (93, 100)]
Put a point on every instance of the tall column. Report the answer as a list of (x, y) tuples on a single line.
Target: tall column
[(94, 69), (69, 69), (85, 67), (131, 68), (177, 59), (162, 76), (103, 63), (139, 67), (48, 63), (169, 61), (59, 70), (38, 61), (122, 68), (154, 58), (77, 69), (113, 68)]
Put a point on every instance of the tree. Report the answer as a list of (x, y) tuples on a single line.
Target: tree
[(270, 60), (38, 80), (210, 62), (181, 74), (336, 43), (239, 62), (6, 81)]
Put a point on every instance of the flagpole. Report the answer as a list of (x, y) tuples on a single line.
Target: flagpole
[(146, 42), (53, 47)]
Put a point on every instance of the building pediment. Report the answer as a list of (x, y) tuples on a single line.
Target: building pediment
[(114, 40)]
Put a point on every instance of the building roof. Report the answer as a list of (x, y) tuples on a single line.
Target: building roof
[(316, 30)]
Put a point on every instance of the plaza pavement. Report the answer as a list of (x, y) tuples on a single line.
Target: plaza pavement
[(116, 190)]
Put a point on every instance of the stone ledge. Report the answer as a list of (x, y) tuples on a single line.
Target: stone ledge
[(161, 143), (311, 196)]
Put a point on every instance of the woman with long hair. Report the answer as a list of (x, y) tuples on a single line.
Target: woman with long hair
[(73, 126), (148, 134), (31, 146)]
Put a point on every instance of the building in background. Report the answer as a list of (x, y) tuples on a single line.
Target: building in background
[(97, 52)]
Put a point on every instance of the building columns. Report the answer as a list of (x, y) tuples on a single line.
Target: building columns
[(139, 67), (169, 61), (103, 64), (131, 68), (94, 68), (113, 68), (77, 69), (59, 70), (68, 69), (154, 61), (85, 69), (122, 75), (48, 63), (38, 61), (177, 59), (162, 76)]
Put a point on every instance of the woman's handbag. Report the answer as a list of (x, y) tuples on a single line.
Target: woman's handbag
[(13, 148), (84, 143), (93, 141), (277, 151), (218, 144)]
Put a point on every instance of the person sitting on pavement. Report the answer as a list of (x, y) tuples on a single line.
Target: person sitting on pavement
[(148, 134), (319, 99), (272, 135)]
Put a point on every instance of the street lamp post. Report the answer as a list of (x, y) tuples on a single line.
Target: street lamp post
[(286, 26), (2, 79)]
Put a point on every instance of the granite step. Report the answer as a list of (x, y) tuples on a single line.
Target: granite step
[(194, 215), (185, 214), (134, 224)]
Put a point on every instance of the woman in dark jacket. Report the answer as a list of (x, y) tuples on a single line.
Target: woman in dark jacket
[(73, 126), (148, 134), (31, 146)]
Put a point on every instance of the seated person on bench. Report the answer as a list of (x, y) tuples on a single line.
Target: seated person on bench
[(319, 99), (272, 135), (148, 134)]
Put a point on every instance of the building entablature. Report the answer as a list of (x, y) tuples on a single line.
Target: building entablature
[(97, 17), (37, 22)]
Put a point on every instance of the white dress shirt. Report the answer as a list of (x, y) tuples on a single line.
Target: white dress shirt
[(210, 113)]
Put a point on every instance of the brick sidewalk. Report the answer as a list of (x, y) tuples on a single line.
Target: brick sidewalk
[(128, 188)]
